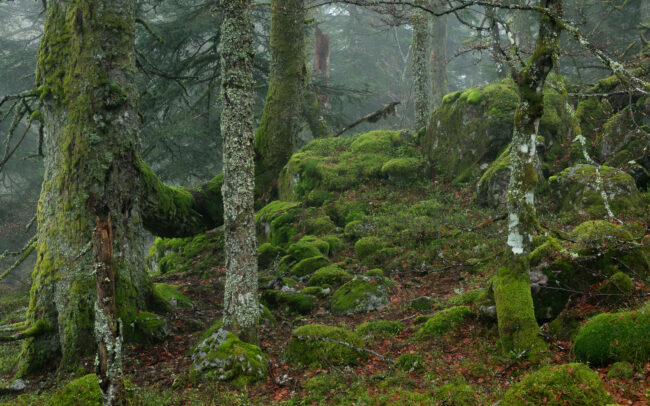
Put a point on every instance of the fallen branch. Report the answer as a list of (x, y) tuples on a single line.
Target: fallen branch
[(372, 117), (24, 254), (354, 347), (40, 327)]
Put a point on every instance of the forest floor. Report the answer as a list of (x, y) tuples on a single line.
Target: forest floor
[(467, 361)]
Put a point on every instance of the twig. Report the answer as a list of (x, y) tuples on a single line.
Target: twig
[(26, 252), (372, 117)]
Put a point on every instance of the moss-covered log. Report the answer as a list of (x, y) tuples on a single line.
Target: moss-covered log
[(276, 137), (517, 325)]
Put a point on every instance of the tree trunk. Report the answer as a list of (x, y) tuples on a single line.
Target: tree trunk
[(241, 308), (276, 137), (85, 76), (438, 59), (517, 325), (420, 21), (490, 14)]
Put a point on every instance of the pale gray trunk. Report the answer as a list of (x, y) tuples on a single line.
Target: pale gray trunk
[(241, 308), (420, 73), (438, 59)]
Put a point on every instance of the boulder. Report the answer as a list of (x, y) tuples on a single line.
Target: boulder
[(305, 348), (361, 294)]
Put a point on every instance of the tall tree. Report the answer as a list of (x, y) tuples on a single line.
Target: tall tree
[(85, 78), (241, 308), (420, 22), (276, 137), (438, 59), (517, 325)]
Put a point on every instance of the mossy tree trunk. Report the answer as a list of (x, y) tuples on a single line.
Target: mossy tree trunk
[(420, 46), (517, 325), (241, 308), (85, 76), (276, 137), (644, 30), (438, 59)]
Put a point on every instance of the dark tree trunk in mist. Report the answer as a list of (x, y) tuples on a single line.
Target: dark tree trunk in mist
[(438, 59), (419, 44)]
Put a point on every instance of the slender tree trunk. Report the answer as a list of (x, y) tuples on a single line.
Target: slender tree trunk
[(517, 325), (419, 44), (644, 30), (277, 135), (490, 14), (241, 308), (438, 59), (107, 324)]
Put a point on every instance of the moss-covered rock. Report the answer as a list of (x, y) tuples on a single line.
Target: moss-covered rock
[(200, 254), (471, 128), (616, 286), (308, 266), (357, 229), (81, 391), (334, 242), (409, 363), (268, 254), (621, 370), (422, 303), (331, 275), (402, 170), (224, 357), (276, 222), (361, 294), (609, 337), (379, 329), (493, 184), (568, 384), (290, 302), (148, 328), (319, 225), (317, 291), (579, 189), (443, 321), (168, 298), (308, 247), (306, 349), (366, 247)]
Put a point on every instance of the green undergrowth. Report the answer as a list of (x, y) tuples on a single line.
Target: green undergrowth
[(201, 254)]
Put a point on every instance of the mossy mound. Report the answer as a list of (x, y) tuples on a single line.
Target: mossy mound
[(456, 394), (621, 370), (402, 170), (579, 189), (443, 321), (148, 328), (471, 128), (168, 298), (301, 250), (409, 363), (337, 164), (616, 286), (268, 253), (224, 357), (308, 266), (379, 329), (200, 254), (361, 294), (568, 384), (82, 391), (331, 275), (367, 247), (610, 337), (290, 302), (306, 349)]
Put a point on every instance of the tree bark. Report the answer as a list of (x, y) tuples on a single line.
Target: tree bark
[(517, 325), (438, 59), (241, 308), (85, 77), (419, 43), (277, 135)]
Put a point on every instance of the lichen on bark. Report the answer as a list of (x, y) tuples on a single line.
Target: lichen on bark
[(241, 308), (419, 43)]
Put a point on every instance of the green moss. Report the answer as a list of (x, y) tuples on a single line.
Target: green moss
[(322, 245), (374, 273), (308, 266), (317, 291), (379, 329), (469, 297), (617, 284), (268, 254), (290, 302), (402, 170), (319, 226), (376, 141), (422, 303), (621, 370), (329, 275), (410, 363), (361, 294), (84, 390), (573, 384), (356, 229), (365, 247), (319, 353), (224, 357), (473, 96), (199, 254), (443, 321), (307, 249), (148, 328), (457, 394), (334, 242), (167, 298), (609, 337), (428, 208)]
